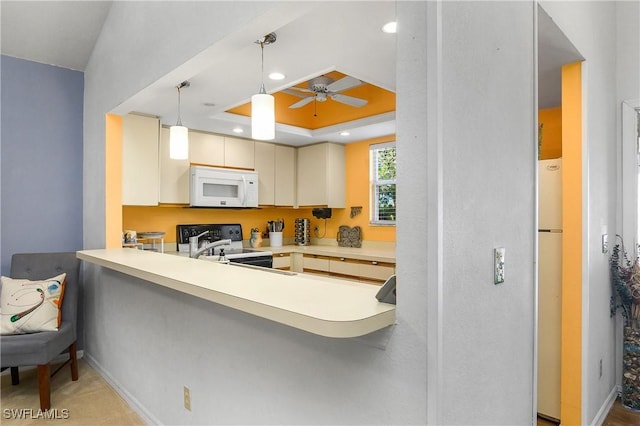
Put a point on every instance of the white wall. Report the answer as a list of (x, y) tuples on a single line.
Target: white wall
[(488, 149)]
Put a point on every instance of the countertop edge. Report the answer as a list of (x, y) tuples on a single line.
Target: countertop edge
[(300, 320)]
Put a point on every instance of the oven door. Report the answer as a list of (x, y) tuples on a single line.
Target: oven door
[(263, 261)]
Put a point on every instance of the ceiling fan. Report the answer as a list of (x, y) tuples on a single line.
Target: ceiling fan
[(321, 88)]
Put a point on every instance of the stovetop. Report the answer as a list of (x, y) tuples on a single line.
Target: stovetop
[(230, 231)]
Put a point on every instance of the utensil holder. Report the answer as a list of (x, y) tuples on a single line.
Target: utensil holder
[(275, 239)]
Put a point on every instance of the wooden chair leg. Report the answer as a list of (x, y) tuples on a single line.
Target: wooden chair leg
[(44, 386), (74, 362), (15, 376)]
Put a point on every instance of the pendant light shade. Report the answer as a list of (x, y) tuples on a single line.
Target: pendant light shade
[(178, 134), (263, 117), (263, 124), (178, 142)]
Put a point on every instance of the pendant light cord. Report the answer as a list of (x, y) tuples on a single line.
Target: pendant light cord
[(262, 90), (179, 118)]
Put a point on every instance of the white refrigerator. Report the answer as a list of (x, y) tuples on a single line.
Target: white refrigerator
[(549, 286)]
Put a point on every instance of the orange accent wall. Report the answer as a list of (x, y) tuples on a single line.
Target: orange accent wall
[(165, 218), (113, 181), (571, 357), (551, 120)]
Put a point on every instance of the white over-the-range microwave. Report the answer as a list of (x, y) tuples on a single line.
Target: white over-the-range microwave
[(217, 187)]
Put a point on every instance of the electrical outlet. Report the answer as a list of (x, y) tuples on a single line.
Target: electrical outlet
[(605, 243), (187, 398), (498, 265)]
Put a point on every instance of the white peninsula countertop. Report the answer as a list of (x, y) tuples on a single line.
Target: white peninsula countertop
[(325, 306)]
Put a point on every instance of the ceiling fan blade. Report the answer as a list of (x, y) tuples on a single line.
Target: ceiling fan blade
[(302, 103), (300, 89), (344, 83), (295, 93), (349, 100)]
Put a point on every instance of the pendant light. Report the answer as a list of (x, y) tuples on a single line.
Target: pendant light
[(263, 119), (178, 134)]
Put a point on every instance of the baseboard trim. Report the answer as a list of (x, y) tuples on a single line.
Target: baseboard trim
[(601, 415), (133, 402)]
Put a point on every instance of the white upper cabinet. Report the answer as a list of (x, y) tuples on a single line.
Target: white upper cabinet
[(206, 149), (174, 174), (265, 165), (321, 175), (285, 175), (239, 153), (140, 180), (275, 165)]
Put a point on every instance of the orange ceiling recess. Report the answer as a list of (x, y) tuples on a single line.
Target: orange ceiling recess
[(316, 115)]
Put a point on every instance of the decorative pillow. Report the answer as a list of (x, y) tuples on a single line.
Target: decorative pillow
[(31, 306)]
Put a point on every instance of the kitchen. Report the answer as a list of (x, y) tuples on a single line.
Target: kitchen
[(300, 151)]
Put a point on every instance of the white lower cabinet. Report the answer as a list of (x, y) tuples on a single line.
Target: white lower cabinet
[(282, 261), (368, 271)]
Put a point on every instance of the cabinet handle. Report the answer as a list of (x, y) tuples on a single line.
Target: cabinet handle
[(342, 259), (281, 255), (374, 262)]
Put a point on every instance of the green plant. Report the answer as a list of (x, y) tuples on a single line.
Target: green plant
[(625, 279)]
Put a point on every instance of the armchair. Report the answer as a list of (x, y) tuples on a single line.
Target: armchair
[(41, 348)]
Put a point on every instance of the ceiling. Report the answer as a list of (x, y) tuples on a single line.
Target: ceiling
[(224, 77)]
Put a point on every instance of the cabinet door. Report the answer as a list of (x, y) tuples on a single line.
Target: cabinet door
[(336, 176), (140, 181), (321, 175), (312, 170), (174, 174), (315, 263), (206, 149), (282, 261), (239, 153), (376, 271), (285, 175), (265, 166)]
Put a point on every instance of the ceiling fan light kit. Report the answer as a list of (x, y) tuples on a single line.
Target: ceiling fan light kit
[(179, 134), (263, 117)]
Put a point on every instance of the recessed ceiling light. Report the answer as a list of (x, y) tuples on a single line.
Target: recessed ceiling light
[(390, 27), (344, 133), (276, 76), (238, 130)]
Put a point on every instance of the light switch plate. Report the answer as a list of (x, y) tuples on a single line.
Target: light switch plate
[(498, 265)]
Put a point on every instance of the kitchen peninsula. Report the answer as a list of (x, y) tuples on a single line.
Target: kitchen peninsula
[(323, 306)]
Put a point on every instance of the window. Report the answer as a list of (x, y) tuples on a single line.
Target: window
[(383, 183)]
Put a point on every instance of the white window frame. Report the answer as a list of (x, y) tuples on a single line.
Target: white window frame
[(374, 182)]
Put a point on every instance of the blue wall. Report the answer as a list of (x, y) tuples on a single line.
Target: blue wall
[(40, 158)]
